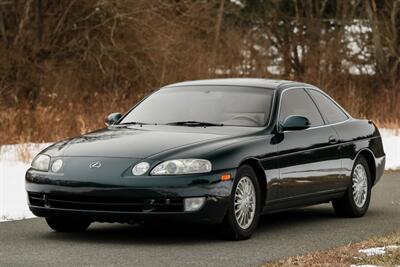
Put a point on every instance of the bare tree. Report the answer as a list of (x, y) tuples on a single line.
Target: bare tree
[(385, 22)]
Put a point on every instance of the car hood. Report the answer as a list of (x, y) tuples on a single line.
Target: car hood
[(142, 142)]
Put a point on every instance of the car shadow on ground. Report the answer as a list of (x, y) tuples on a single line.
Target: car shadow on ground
[(188, 233)]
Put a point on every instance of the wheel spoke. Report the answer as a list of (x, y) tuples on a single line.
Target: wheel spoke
[(240, 189), (242, 218), (247, 217)]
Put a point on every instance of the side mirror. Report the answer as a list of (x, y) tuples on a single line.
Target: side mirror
[(295, 123), (113, 118)]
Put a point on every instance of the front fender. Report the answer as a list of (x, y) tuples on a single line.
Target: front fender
[(260, 149), (232, 155)]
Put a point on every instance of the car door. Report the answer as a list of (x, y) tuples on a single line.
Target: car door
[(335, 116), (309, 162)]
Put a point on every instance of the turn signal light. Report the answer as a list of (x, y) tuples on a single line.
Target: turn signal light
[(226, 177)]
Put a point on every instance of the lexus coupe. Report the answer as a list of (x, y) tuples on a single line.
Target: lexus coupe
[(218, 151)]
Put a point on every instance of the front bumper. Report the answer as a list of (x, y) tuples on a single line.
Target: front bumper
[(133, 200)]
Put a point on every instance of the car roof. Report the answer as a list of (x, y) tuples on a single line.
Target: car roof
[(251, 82)]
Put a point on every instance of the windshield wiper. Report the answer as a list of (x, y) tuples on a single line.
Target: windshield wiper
[(135, 123), (194, 123)]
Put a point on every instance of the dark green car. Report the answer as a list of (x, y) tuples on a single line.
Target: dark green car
[(213, 151)]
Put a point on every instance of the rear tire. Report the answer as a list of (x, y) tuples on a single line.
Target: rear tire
[(60, 224), (356, 200), (244, 208)]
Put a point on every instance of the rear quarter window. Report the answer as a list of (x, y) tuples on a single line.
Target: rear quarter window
[(332, 112)]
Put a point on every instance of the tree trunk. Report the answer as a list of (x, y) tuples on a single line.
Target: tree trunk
[(2, 26), (218, 26), (380, 55), (39, 17)]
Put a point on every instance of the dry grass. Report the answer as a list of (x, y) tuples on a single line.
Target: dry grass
[(348, 255), (63, 118), (57, 116), (24, 154)]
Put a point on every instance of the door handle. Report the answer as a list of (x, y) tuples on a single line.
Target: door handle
[(332, 140)]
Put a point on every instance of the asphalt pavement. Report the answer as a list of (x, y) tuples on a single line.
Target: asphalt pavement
[(32, 243)]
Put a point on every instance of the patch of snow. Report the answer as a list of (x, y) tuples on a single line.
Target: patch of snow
[(220, 71), (275, 70), (373, 251), (378, 250), (13, 200), (356, 40), (359, 69), (391, 145), (364, 265), (238, 2)]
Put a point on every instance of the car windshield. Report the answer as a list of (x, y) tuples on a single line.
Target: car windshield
[(204, 106)]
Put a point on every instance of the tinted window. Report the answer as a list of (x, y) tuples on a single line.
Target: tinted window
[(298, 102), (330, 110), (230, 105)]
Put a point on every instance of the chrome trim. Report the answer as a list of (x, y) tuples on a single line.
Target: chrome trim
[(95, 164)]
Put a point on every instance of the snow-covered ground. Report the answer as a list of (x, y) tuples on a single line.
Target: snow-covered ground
[(378, 250), (15, 160), (391, 144)]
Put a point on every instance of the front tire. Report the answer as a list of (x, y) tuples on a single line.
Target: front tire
[(356, 200), (244, 209), (59, 224)]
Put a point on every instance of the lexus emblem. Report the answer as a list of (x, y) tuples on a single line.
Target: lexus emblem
[(95, 165)]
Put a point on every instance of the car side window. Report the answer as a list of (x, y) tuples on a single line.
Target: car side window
[(298, 102), (329, 109)]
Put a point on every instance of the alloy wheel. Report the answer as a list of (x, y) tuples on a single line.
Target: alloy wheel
[(360, 185), (245, 202)]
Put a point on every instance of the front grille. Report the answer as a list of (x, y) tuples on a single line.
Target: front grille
[(106, 203)]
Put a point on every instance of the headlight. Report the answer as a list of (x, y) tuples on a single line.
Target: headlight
[(56, 166), (41, 162), (182, 166), (140, 168)]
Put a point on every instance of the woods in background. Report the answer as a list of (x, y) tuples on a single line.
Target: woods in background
[(65, 64)]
